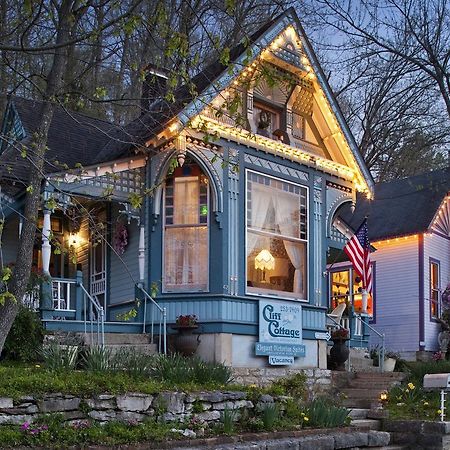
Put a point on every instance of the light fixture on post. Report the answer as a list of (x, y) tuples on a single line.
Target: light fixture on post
[(180, 145), (74, 240), (264, 261)]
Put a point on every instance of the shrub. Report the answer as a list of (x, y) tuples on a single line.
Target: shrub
[(59, 357), (323, 414), (417, 370), (134, 363), (228, 418), (270, 415), (177, 369), (98, 359), (295, 386), (24, 341)]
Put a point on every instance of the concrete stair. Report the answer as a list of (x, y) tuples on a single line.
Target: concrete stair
[(361, 393), (123, 341)]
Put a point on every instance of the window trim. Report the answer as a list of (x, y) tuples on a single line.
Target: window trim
[(437, 263), (281, 295), (163, 240)]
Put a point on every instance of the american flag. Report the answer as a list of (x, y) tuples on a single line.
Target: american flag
[(358, 250)]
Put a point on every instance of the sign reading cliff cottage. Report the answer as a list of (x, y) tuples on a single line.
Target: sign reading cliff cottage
[(280, 331)]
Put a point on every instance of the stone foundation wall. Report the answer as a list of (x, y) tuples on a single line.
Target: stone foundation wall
[(318, 381), (136, 407)]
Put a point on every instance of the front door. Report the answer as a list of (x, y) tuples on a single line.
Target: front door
[(98, 264)]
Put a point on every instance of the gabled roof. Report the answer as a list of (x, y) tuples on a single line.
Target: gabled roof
[(216, 77), (401, 207), (73, 138), (161, 112)]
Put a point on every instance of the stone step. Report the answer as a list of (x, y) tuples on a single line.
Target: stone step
[(360, 403), (390, 447), (366, 424), (358, 413), (120, 338), (146, 349), (390, 376), (368, 393), (358, 383)]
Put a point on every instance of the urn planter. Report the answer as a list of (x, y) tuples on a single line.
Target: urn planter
[(186, 342), (339, 353)]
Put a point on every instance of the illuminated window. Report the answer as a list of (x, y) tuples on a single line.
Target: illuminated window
[(276, 237), (186, 230), (435, 304), (342, 290), (266, 119)]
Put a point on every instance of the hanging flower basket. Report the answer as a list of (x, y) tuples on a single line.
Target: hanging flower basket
[(120, 239)]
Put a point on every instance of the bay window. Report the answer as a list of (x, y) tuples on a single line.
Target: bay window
[(277, 237), (186, 230)]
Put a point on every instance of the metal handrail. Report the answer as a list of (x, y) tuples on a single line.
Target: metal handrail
[(381, 335), (162, 343), (100, 317)]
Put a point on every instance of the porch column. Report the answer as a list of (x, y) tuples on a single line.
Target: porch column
[(141, 253), (46, 247), (46, 287)]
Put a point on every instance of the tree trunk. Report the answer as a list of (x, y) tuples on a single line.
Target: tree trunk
[(21, 273)]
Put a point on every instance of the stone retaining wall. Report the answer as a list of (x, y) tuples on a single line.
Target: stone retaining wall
[(318, 381), (136, 407), (419, 434)]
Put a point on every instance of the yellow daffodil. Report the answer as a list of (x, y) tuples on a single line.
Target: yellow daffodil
[(439, 411), (37, 366), (303, 414), (411, 386), (306, 419), (425, 403)]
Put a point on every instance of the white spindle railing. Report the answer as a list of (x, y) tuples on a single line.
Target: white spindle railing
[(62, 290)]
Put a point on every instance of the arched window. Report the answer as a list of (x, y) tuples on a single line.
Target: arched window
[(185, 258)]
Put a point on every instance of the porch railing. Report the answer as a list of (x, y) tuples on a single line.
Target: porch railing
[(62, 290), (162, 316), (381, 349), (94, 317)]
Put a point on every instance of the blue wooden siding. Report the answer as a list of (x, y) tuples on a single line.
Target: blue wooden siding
[(240, 310), (397, 294), (121, 285), (437, 248)]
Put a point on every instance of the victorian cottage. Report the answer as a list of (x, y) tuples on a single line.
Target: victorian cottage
[(237, 209)]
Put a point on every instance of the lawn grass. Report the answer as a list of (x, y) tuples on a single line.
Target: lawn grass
[(17, 381)]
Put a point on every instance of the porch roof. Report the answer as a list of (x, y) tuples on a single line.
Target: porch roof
[(401, 207), (73, 138)]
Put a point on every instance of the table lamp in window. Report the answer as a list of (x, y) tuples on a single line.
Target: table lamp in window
[(264, 261)]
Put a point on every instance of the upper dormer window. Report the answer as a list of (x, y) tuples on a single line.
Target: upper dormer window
[(267, 119)]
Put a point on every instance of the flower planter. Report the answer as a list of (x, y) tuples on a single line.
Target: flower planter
[(339, 353), (186, 342), (389, 364)]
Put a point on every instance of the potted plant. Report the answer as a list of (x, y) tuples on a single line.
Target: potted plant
[(390, 359), (186, 343), (339, 352)]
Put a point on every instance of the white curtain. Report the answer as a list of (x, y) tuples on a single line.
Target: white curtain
[(186, 258), (287, 217), (186, 200), (261, 202)]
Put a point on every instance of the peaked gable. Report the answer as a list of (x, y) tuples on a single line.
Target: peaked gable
[(283, 44)]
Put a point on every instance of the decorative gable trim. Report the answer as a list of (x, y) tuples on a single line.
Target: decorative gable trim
[(441, 220), (268, 45)]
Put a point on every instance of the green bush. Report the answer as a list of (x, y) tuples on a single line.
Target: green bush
[(98, 359), (58, 357), (417, 370), (323, 414), (24, 341), (270, 415), (178, 369), (295, 386)]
